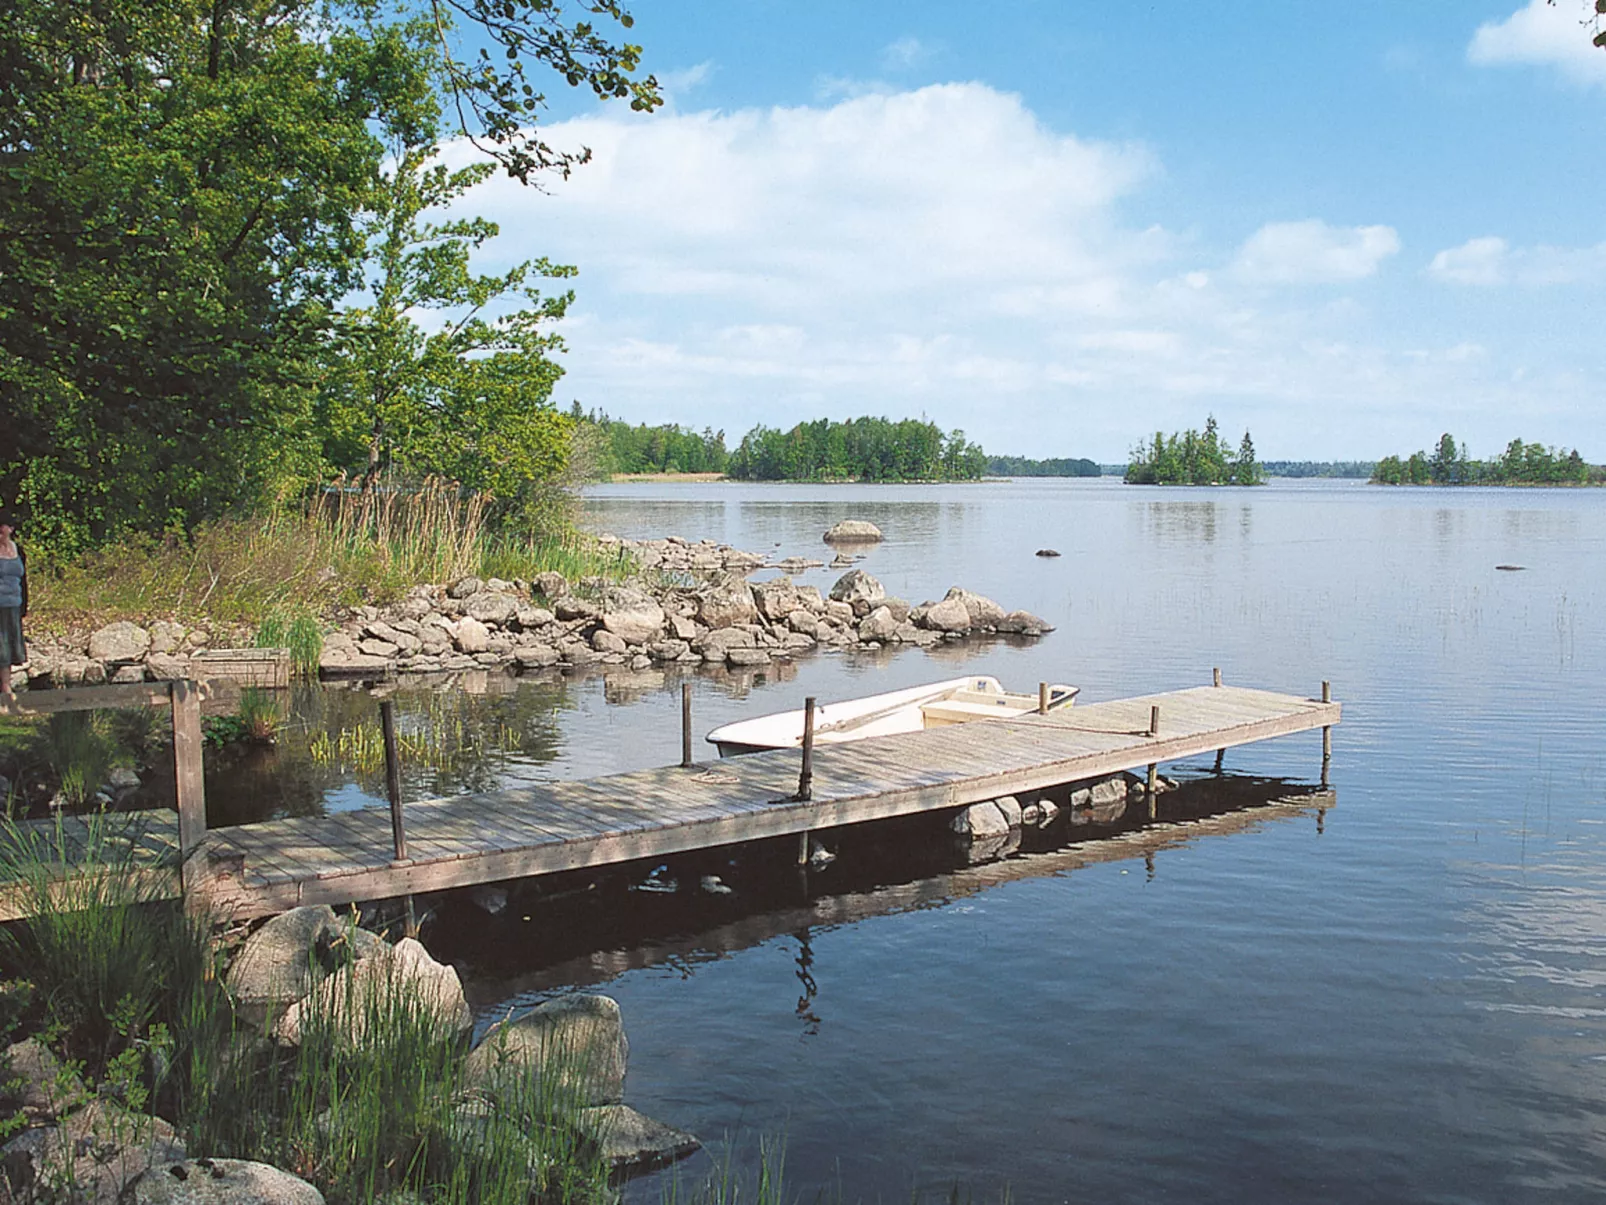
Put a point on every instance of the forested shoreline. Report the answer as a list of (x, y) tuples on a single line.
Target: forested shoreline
[(1519, 464)]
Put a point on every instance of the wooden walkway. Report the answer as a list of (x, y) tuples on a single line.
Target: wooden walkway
[(261, 869)]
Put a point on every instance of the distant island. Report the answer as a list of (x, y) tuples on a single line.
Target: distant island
[(1520, 464), (1194, 458), (1022, 466)]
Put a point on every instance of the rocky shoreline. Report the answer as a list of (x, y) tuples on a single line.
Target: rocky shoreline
[(689, 603)]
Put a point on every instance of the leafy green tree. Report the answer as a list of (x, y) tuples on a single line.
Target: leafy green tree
[(1246, 469)]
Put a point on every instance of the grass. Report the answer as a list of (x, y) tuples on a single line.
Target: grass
[(300, 632), (347, 547)]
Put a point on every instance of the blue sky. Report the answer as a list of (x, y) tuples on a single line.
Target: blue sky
[(1062, 226)]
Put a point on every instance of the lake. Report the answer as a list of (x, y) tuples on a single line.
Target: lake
[(1399, 999)]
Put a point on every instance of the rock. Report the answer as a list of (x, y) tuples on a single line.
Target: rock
[(219, 1182), (465, 587), (878, 625), (775, 599), (949, 615), (1024, 623), (536, 656), (747, 657), (605, 641), (715, 646), (858, 590), (38, 1084), (378, 648), (633, 615), (1047, 812), (1010, 807), (579, 1041), (488, 898), (166, 636), (682, 627), (120, 643), (803, 621), (358, 991), (570, 607), (530, 616), (550, 585), (97, 1150), (983, 612), (726, 603), (128, 675), (853, 531), (122, 779), (492, 607), (668, 650), (626, 1138), (980, 820), (471, 636), (275, 967), (163, 667), (1046, 552), (350, 661)]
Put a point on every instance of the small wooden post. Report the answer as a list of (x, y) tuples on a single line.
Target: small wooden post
[(1154, 720), (1215, 676), (1149, 788), (1042, 698), (1220, 753), (685, 723), (188, 775), (805, 779), (387, 724), (1327, 733), (803, 849)]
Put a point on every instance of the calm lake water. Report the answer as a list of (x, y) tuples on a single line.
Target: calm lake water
[(1400, 1000)]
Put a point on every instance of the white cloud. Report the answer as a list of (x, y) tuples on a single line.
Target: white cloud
[(1312, 252), (676, 83), (906, 54), (1555, 35), (1492, 261), (943, 251)]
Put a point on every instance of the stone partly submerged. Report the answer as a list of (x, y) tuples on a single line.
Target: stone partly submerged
[(219, 1182), (854, 531)]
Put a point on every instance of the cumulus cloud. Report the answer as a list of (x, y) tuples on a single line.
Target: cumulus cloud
[(1555, 35), (943, 251), (1492, 261), (1312, 252)]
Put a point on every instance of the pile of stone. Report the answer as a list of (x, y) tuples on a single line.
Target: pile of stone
[(692, 603)]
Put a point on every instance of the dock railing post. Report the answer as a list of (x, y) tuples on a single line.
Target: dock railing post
[(1042, 698), (1154, 720), (805, 778), (685, 723), (1215, 680), (1327, 733), (188, 773), (387, 724)]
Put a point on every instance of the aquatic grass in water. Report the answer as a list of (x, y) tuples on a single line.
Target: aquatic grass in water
[(299, 632)]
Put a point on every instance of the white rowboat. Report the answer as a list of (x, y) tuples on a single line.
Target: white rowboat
[(936, 705)]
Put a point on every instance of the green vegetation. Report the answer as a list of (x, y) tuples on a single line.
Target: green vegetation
[(862, 449), (1021, 466), (1318, 468), (1519, 464), (668, 448), (1194, 458), (298, 631), (221, 224)]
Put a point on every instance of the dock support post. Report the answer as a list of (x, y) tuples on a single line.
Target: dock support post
[(387, 725), (188, 774), (803, 849), (805, 778), (1042, 698), (685, 724), (1327, 733), (1215, 680), (1149, 786)]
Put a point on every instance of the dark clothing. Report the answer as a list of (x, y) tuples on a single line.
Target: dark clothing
[(12, 650)]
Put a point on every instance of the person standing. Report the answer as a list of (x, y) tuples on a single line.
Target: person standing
[(13, 601)]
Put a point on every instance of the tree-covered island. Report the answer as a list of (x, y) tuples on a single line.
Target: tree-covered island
[(1520, 464), (1194, 458)]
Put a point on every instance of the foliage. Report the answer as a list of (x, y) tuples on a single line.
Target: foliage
[(1022, 466), (297, 631), (186, 191), (668, 448), (862, 449), (1194, 458), (352, 545), (1520, 464), (1318, 468)]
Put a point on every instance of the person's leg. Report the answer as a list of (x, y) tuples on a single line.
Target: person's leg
[(5, 678)]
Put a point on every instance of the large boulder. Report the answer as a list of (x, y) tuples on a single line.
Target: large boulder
[(716, 646), (631, 614), (878, 625), (471, 636), (492, 607), (726, 603), (575, 1044), (120, 643), (857, 589), (983, 611), (360, 993), (625, 1138), (1024, 623), (465, 587), (281, 961), (949, 615), (219, 1182), (166, 636), (97, 1150), (775, 599), (981, 820), (853, 531)]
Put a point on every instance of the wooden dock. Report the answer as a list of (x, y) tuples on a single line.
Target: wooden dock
[(265, 868)]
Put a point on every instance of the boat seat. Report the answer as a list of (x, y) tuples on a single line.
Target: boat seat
[(955, 711)]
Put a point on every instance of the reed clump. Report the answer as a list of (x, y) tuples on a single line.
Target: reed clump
[(349, 544)]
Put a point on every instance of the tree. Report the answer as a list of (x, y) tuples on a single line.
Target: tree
[(1246, 469)]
